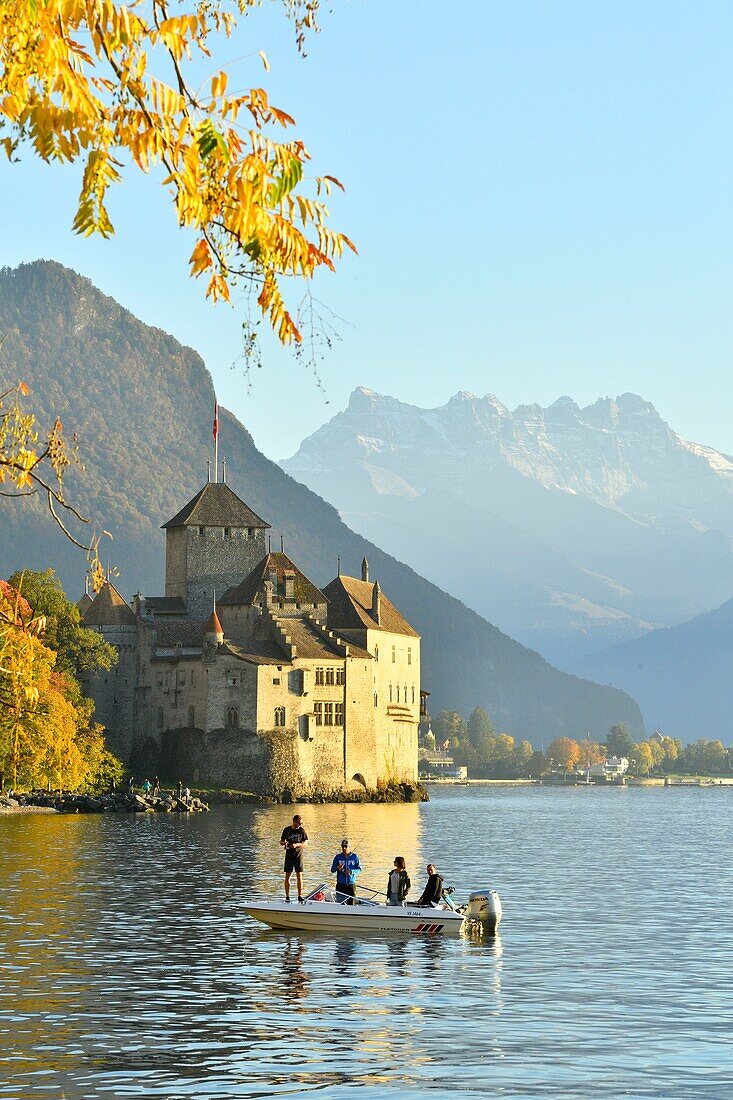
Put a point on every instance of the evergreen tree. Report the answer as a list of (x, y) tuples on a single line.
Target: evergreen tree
[(619, 741), (481, 733)]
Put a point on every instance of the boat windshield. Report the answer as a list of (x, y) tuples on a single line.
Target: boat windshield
[(325, 892)]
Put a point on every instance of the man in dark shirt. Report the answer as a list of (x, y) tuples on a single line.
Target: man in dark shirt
[(294, 839), (433, 892)]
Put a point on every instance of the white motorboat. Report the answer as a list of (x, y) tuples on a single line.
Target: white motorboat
[(325, 910)]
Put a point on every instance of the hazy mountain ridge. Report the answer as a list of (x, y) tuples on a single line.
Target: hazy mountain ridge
[(142, 405), (593, 524), (681, 676)]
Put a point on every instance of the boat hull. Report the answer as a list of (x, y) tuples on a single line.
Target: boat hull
[(357, 920)]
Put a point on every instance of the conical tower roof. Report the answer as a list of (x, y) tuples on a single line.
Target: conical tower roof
[(214, 625), (108, 608)]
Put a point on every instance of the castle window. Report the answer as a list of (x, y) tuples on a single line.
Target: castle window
[(250, 532), (318, 713), (409, 655), (161, 718), (340, 675), (394, 653), (192, 716), (390, 693), (233, 718), (201, 530), (413, 693), (320, 676), (376, 653), (376, 699), (232, 679), (328, 714), (405, 695), (279, 716), (398, 693), (276, 681), (330, 675), (339, 715), (227, 532)]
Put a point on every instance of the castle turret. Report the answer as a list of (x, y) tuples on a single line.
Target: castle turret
[(210, 545), (214, 633), (365, 570)]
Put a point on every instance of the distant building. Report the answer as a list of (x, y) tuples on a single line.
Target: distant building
[(244, 674), (612, 768)]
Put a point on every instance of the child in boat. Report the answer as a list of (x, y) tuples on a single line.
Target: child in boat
[(398, 883)]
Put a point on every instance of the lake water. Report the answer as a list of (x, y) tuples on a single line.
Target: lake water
[(128, 969)]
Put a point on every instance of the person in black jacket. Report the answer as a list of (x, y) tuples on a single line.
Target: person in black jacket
[(433, 892), (398, 883)]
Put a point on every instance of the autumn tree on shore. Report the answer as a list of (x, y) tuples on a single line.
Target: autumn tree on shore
[(47, 734)]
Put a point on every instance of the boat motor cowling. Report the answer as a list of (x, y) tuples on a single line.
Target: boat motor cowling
[(484, 906)]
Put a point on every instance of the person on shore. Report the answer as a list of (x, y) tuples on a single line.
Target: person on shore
[(186, 796), (131, 784), (398, 883), (180, 788), (294, 839), (346, 867), (146, 787), (433, 892), (156, 786)]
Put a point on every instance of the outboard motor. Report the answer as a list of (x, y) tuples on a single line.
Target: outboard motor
[(484, 906)]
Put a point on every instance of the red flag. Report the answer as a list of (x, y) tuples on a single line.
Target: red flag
[(216, 419)]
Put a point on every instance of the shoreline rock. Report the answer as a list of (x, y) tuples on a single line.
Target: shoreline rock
[(69, 802)]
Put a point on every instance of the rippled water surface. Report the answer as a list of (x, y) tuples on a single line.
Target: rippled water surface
[(129, 970)]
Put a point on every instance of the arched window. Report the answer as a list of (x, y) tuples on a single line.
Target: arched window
[(191, 716), (376, 699), (279, 716), (398, 693), (390, 693), (376, 653), (233, 717)]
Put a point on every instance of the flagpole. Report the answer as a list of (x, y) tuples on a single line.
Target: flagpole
[(216, 441)]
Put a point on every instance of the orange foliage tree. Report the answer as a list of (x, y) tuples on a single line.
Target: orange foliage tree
[(108, 83), (564, 752)]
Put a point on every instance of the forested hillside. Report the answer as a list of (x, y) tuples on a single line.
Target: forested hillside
[(142, 406)]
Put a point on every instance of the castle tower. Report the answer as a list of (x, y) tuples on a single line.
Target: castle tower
[(214, 541), (113, 690)]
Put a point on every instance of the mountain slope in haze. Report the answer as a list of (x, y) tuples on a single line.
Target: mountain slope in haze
[(682, 677), (142, 406), (590, 526)]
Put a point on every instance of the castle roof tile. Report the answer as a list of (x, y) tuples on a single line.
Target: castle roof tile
[(350, 608), (216, 505)]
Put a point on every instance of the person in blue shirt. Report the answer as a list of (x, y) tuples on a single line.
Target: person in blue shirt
[(346, 867)]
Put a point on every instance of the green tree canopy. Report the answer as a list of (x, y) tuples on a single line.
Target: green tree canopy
[(77, 649), (481, 732), (619, 741)]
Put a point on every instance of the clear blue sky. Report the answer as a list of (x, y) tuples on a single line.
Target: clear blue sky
[(541, 195)]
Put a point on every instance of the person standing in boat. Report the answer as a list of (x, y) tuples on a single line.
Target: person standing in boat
[(346, 867), (294, 839), (398, 883), (433, 892)]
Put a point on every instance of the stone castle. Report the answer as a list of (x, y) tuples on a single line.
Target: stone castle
[(245, 675)]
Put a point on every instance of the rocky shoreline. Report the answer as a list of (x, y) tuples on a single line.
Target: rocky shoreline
[(121, 802), (114, 802)]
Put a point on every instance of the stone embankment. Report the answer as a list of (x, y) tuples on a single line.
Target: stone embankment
[(112, 802), (396, 792)]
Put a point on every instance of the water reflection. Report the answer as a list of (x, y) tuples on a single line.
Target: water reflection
[(128, 969)]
